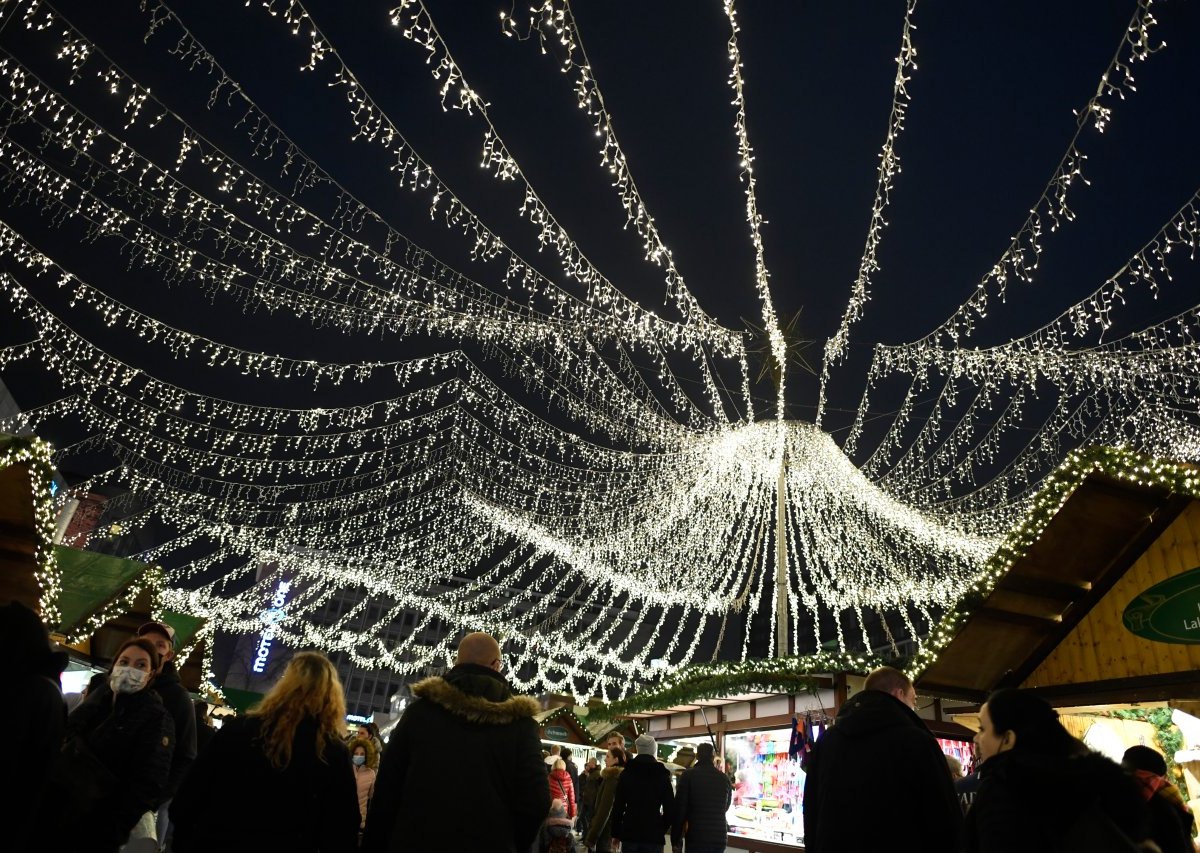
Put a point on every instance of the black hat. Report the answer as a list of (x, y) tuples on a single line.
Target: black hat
[(23, 634), (1144, 758)]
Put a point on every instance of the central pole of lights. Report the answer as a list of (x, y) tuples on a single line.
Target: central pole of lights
[(781, 567)]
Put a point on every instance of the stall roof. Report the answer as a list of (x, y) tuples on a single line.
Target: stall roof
[(697, 704), (1102, 529), (90, 580)]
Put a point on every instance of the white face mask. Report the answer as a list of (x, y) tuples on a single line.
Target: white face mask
[(126, 679)]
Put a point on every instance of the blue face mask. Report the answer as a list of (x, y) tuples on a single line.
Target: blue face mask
[(359, 760)]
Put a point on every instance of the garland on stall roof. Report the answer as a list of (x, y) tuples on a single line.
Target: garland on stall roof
[(152, 581), (567, 711), (34, 454), (718, 680), (1120, 464)]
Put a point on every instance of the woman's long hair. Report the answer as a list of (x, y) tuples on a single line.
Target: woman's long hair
[(1034, 722), (310, 687)]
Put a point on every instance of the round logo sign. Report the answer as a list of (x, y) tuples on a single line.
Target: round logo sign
[(1168, 612)]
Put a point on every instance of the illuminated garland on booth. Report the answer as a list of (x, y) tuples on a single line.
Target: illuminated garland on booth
[(33, 454), (152, 582), (720, 680), (1056, 489)]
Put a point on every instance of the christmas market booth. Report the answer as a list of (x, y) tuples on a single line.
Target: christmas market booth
[(27, 570), (1094, 602), (102, 601), (577, 728), (762, 718)]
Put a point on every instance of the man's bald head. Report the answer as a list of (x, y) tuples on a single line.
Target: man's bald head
[(479, 648)]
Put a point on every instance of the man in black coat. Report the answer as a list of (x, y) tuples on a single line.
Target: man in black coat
[(462, 771), (644, 805), (33, 717), (879, 770), (702, 797), (175, 699)]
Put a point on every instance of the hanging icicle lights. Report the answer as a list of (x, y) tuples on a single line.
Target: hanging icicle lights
[(560, 465)]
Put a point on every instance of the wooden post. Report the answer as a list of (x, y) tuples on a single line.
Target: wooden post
[(781, 566)]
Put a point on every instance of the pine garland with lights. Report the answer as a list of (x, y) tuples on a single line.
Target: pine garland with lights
[(792, 674), (35, 455), (1057, 488)]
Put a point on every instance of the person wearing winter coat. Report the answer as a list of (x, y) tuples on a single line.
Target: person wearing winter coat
[(589, 781), (556, 832), (179, 705), (879, 759), (644, 807), (561, 787), (599, 831), (115, 761), (278, 778), (34, 717), (1042, 790), (573, 772), (1170, 820), (702, 797), (472, 710), (364, 762)]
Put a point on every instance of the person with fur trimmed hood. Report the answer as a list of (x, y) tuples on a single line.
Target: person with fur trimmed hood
[(472, 710)]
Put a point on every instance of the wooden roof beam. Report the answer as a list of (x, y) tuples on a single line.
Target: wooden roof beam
[(1044, 587), (1028, 620)]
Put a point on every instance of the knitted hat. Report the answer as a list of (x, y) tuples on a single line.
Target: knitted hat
[(646, 746), (1144, 758)]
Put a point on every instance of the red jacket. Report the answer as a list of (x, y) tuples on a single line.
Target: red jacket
[(562, 789)]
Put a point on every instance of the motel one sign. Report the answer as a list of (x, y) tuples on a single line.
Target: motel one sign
[(271, 617)]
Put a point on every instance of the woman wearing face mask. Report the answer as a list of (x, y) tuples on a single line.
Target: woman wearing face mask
[(115, 759), (278, 778), (364, 772), (1042, 789)]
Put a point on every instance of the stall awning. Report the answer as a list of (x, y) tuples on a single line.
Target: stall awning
[(1104, 544), (91, 580), (241, 700)]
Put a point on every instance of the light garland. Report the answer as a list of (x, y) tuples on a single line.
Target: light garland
[(774, 332), (889, 168), (34, 455)]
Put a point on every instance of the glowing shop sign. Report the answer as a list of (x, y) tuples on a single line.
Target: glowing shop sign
[(271, 617)]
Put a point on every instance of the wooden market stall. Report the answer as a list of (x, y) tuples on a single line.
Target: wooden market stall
[(1098, 611), (26, 519), (752, 727)]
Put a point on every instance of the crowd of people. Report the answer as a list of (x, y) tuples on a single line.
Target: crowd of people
[(136, 766)]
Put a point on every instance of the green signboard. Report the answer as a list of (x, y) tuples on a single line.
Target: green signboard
[(1168, 612), (557, 733)]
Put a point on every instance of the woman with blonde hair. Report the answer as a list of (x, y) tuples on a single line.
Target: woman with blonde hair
[(279, 778)]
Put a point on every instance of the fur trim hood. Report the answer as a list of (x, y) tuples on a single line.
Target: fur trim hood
[(611, 772), (477, 695)]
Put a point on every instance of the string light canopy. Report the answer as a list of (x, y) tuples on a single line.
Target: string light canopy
[(399, 392)]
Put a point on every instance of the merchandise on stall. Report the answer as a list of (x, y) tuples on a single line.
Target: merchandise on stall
[(768, 781)]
